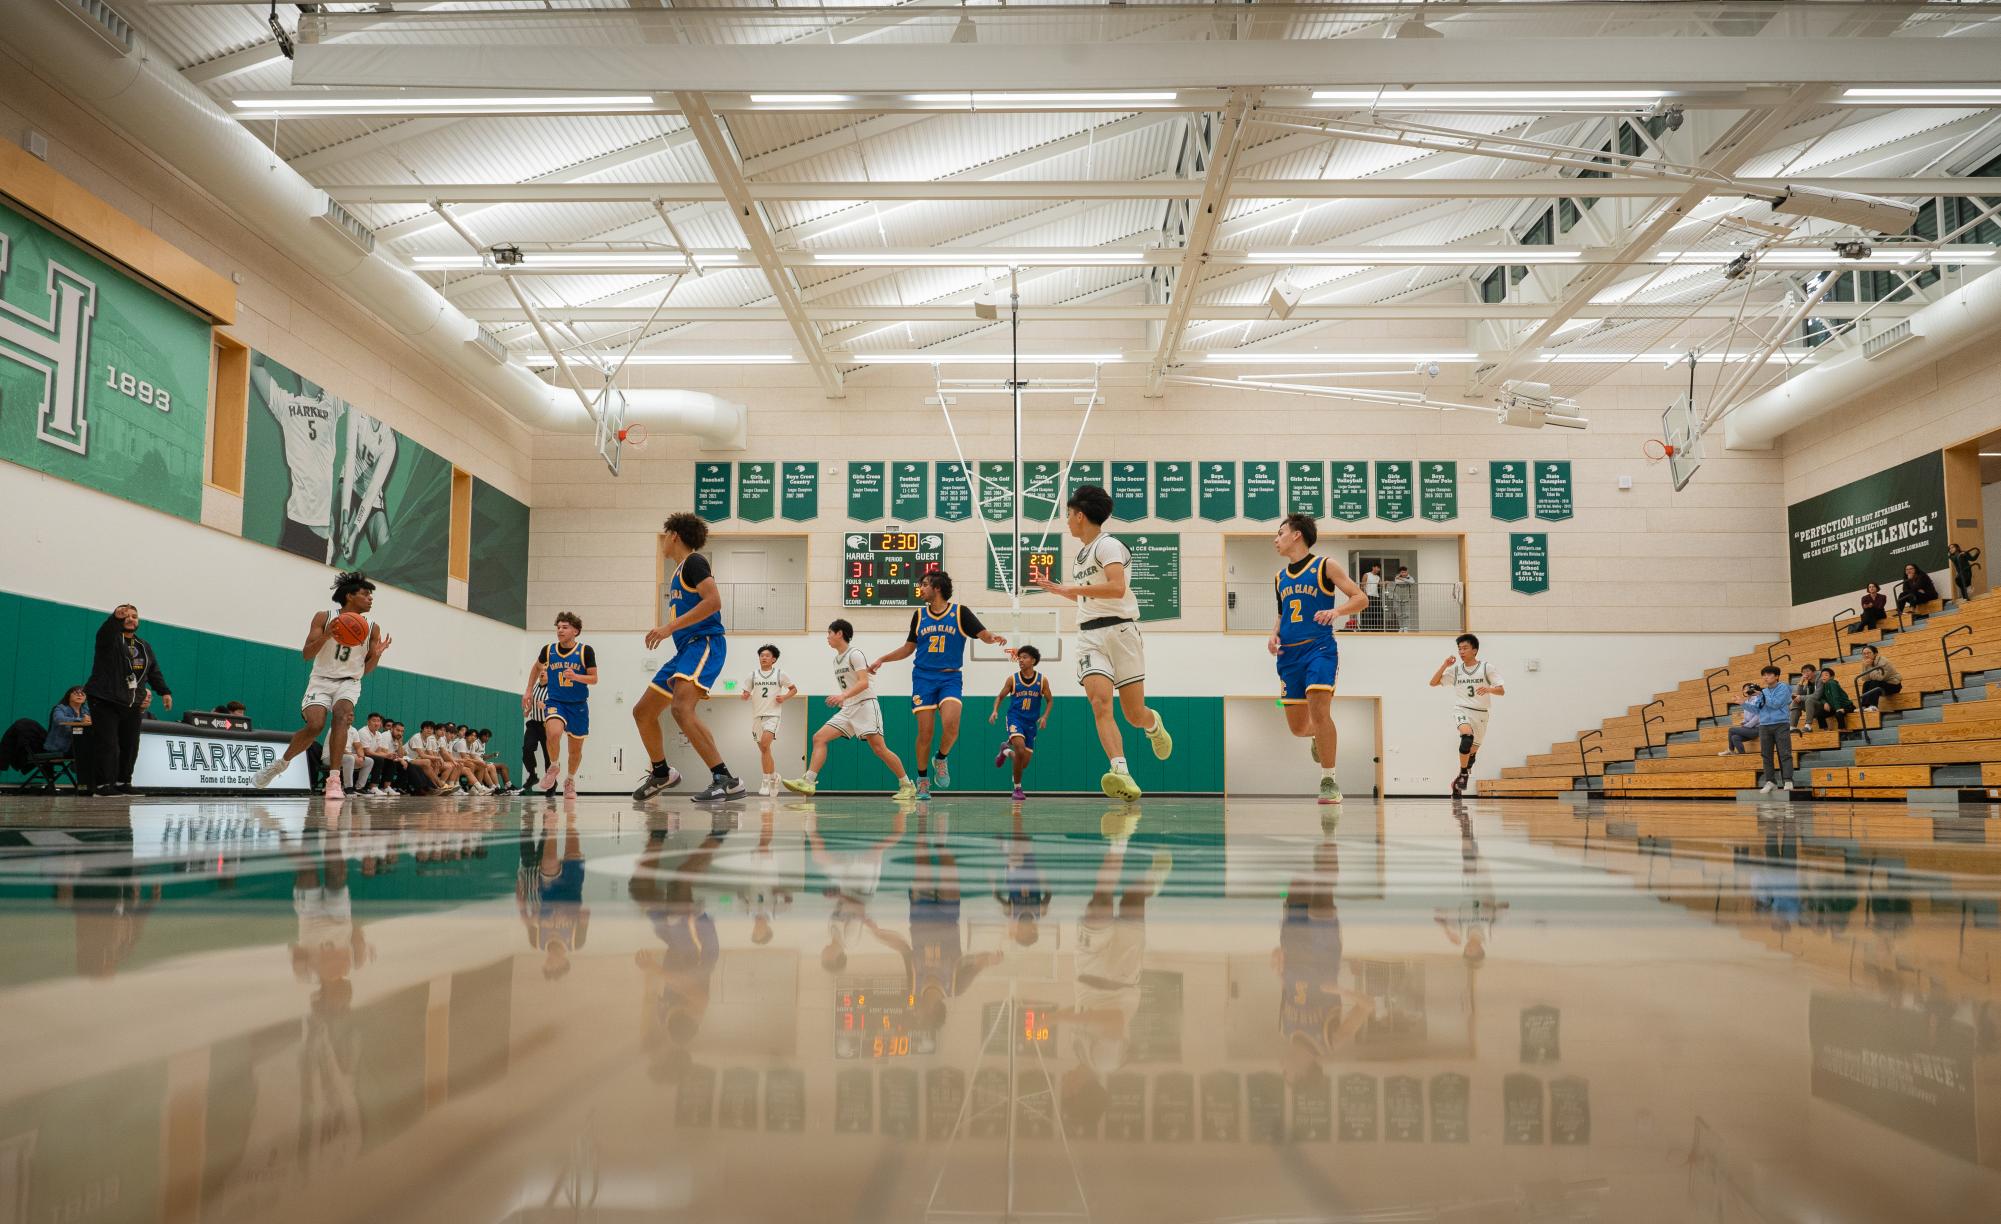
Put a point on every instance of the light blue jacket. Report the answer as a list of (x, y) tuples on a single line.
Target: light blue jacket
[(1773, 704)]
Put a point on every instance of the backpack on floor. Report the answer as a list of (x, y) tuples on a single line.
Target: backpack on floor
[(20, 744)]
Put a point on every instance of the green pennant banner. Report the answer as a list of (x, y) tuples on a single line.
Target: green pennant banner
[(1085, 472), (955, 496), (1128, 490), (1528, 562), (799, 496), (1261, 492), (1039, 490), (1508, 489), (1217, 485), (1395, 496), (1552, 489), (996, 490), (1306, 487), (1348, 497), (1438, 490), (865, 490), (909, 485), (756, 491), (1173, 489), (712, 491)]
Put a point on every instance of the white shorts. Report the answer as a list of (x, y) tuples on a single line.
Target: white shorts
[(1474, 719), (329, 691), (1117, 652), (760, 723), (1111, 950), (858, 721)]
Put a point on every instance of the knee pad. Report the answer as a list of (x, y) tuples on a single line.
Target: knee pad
[(1465, 744)]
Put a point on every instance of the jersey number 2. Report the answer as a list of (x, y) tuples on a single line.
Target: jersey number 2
[(1295, 611)]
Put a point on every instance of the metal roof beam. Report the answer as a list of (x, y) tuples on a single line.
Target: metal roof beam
[(1115, 313), (1204, 216)]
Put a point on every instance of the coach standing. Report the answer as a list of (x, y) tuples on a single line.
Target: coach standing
[(122, 671)]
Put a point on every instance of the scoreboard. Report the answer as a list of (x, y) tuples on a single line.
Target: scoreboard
[(872, 1020), (880, 569)]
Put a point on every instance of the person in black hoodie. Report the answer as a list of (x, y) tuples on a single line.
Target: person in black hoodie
[(123, 668)]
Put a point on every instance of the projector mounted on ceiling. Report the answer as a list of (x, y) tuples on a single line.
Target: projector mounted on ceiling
[(1531, 405)]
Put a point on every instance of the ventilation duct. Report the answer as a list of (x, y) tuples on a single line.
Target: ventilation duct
[(70, 43)]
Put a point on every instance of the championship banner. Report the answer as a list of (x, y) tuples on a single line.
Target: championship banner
[(1128, 490), (756, 490), (1173, 489), (712, 491), (1216, 483), (909, 489), (996, 490), (1261, 490), (1085, 472), (799, 491), (1348, 494), (1155, 575), (103, 382), (865, 490), (1528, 562), (1040, 492), (955, 495), (1553, 499), (1438, 491), (1508, 490), (1306, 487), (1868, 530), (1043, 555), (497, 573), (1395, 496), (392, 507)]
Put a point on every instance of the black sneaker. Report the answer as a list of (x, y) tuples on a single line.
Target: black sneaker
[(1458, 786), (655, 783), (718, 790)]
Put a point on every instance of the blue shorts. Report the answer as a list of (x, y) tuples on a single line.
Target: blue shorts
[(1026, 730), (700, 662), (576, 716), (929, 690), (1302, 670)]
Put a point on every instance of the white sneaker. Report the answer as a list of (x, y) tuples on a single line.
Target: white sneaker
[(1725, 752), (766, 787), (264, 777), (1767, 788)]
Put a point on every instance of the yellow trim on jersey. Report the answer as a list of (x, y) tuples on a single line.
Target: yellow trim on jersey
[(1317, 688), (1326, 585)]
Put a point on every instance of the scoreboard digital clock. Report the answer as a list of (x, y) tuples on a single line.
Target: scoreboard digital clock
[(880, 568), (872, 1020)]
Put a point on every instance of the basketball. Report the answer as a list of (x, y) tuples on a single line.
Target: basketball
[(349, 628)]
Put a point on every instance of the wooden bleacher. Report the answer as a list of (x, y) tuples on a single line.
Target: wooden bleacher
[(1626, 758)]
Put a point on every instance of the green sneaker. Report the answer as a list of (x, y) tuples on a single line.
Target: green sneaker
[(1119, 786), (1163, 743), (1330, 791), (942, 771), (906, 790), (800, 786)]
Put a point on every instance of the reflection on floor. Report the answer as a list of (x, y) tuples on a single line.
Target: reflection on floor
[(1176, 1010)]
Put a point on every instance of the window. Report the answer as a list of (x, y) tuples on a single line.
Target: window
[(1494, 288), (229, 401), (1567, 215), (1542, 233)]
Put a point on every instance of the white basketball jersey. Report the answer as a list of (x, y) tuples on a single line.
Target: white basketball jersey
[(338, 662), (1465, 679), (765, 686), (1092, 559), (308, 425), (370, 447), (848, 665)]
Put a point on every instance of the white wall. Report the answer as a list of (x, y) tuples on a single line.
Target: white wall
[(1263, 757), (77, 546), (1990, 517)]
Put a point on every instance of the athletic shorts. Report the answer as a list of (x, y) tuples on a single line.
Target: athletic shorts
[(1026, 730), (1116, 652), (328, 691), (1302, 671), (1476, 719), (576, 717), (760, 723), (700, 662), (929, 690), (858, 721)]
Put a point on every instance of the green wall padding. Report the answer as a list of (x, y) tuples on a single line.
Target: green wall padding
[(45, 647), (1067, 755)]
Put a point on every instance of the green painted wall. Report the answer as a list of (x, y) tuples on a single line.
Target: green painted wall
[(45, 647), (1067, 755)]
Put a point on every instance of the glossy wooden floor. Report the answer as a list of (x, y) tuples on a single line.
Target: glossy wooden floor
[(1180, 1010)]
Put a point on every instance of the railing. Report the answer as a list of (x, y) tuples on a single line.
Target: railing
[(1716, 688), (755, 607), (1897, 597), (1951, 686), (1784, 641), (1834, 627), (1402, 607), (1647, 724), (1584, 754)]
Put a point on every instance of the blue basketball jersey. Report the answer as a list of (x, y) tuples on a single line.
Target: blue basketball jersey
[(1024, 701), (683, 596), (1304, 590), (564, 674), (941, 642)]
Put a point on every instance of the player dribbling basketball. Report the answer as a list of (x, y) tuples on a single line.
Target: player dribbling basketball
[(334, 686)]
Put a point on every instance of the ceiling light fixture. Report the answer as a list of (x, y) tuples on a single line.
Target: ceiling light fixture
[(1952, 93), (975, 258), (469, 104), (1469, 256), (980, 358), (544, 359), (781, 99), (1487, 99), (1237, 357), (1032, 100)]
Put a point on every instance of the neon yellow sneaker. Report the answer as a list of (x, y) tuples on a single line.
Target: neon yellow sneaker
[(1119, 822), (800, 786), (906, 790), (1163, 743), (1119, 786), (1329, 791)]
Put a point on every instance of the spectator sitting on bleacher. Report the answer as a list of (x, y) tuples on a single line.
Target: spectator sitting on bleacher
[(69, 714), (1961, 561), (1873, 610), (1827, 701), (1747, 724), (1917, 590), (1877, 679)]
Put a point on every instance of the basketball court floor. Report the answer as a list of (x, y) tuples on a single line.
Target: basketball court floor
[(1180, 1009)]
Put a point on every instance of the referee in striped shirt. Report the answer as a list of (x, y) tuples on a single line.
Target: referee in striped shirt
[(534, 738)]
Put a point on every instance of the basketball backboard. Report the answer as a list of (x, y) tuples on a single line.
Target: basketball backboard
[(611, 422), (1038, 627), (1683, 434)]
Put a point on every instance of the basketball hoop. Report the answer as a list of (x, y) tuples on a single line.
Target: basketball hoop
[(633, 435), (1655, 450)]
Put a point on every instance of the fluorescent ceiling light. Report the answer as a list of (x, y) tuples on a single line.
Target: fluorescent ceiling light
[(1406, 255), (1030, 100), (308, 104), (1969, 93), (678, 359), (781, 99), (974, 258), (543, 261), (981, 358), (1234, 357), (1486, 99)]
